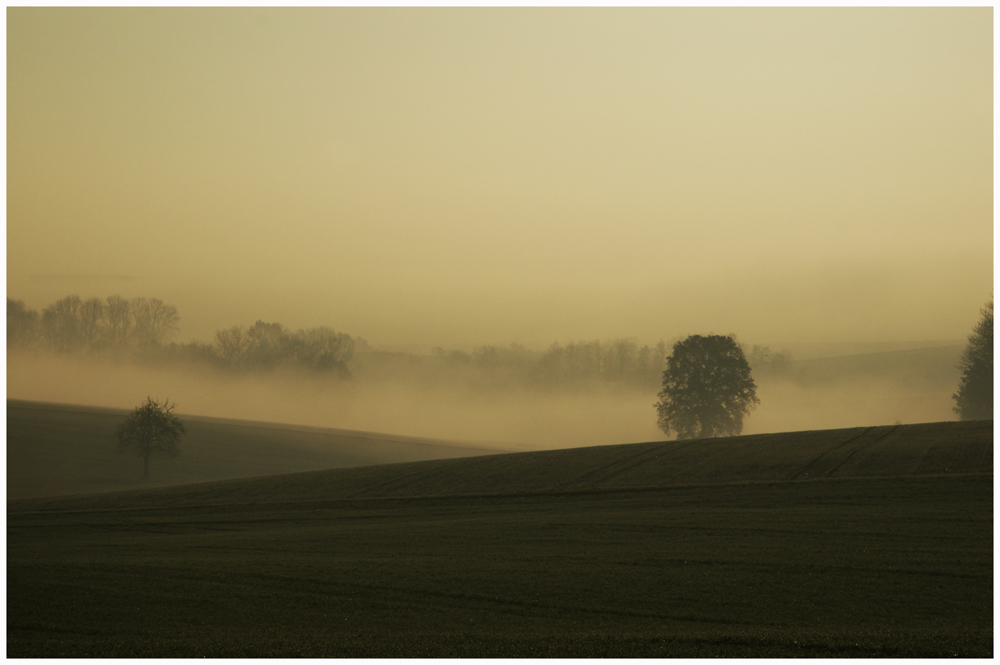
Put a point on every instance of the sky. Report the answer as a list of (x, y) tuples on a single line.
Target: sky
[(453, 177)]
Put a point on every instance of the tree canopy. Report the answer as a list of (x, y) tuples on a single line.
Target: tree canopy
[(974, 399), (707, 388)]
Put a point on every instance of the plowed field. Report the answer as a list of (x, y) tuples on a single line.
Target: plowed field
[(867, 542)]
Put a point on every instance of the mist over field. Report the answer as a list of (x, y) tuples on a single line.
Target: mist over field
[(435, 267), (466, 176), (908, 386)]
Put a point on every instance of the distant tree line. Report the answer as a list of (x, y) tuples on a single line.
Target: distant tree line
[(765, 362), (73, 325), (619, 361), (267, 346), (139, 328)]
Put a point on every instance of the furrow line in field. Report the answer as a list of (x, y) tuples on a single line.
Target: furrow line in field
[(620, 466), (835, 448), (861, 447), (351, 589)]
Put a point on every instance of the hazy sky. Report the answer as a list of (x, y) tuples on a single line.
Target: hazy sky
[(471, 176)]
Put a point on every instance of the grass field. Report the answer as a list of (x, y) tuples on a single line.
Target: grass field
[(851, 543)]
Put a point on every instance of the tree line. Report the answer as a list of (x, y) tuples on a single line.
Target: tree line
[(620, 361), (139, 328), (267, 346), (112, 324)]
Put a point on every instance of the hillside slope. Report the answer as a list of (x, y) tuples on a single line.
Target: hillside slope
[(56, 449), (866, 542), (903, 450)]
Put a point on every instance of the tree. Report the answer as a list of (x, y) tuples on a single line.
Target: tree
[(91, 320), (151, 427), (707, 388), (974, 399), (233, 345), (22, 324), (323, 349), (61, 324), (118, 313), (152, 320), (268, 345)]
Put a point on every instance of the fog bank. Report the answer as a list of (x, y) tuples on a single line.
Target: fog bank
[(871, 389)]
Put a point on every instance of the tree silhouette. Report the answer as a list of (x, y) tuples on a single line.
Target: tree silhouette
[(117, 313), (61, 324), (707, 388), (974, 399), (22, 324), (151, 427)]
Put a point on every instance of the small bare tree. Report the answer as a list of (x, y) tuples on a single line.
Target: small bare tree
[(151, 427)]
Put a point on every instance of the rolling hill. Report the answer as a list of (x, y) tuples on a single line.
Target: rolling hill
[(57, 449), (888, 451), (861, 542)]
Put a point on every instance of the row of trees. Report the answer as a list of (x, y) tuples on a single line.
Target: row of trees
[(142, 326), (94, 325), (621, 361), (266, 346)]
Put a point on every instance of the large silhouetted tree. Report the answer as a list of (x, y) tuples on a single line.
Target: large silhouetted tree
[(151, 427), (974, 399), (707, 388)]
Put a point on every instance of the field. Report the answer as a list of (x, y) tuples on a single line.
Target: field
[(865, 542), (59, 449)]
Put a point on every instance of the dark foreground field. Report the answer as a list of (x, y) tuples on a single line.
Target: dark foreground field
[(61, 449), (867, 542)]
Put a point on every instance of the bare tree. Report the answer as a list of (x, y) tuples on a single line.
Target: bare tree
[(268, 345), (323, 349), (61, 324), (233, 345), (164, 320), (142, 322), (22, 325), (151, 427), (91, 320), (119, 316)]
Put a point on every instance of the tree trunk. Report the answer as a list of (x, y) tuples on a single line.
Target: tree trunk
[(145, 470)]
